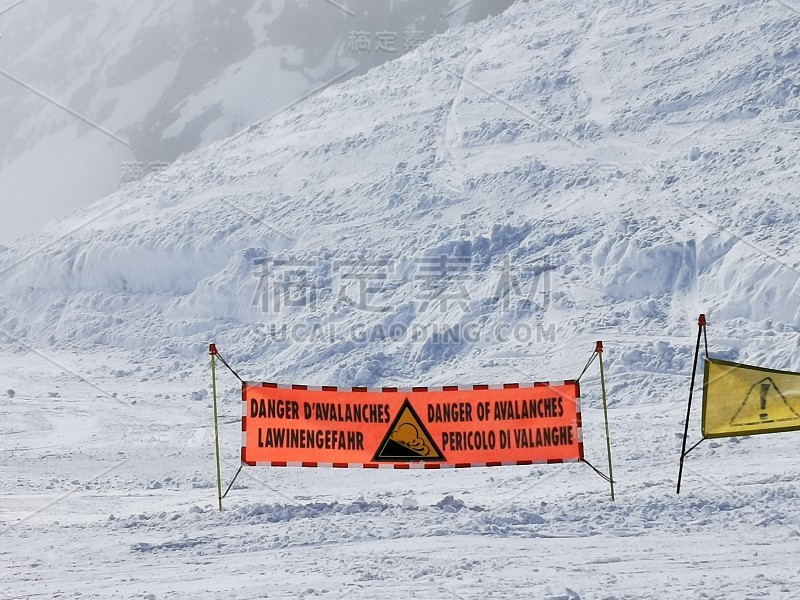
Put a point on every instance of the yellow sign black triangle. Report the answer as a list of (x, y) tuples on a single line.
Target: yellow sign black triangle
[(407, 439), (764, 403)]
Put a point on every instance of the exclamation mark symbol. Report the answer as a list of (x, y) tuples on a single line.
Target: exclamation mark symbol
[(764, 391)]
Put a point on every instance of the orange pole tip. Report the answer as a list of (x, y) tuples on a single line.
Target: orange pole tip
[(599, 347), (702, 320), (212, 349)]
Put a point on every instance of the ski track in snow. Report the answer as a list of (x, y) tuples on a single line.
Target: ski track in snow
[(132, 509)]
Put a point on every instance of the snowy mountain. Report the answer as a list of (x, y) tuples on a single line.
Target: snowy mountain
[(94, 93), (607, 162), (482, 209)]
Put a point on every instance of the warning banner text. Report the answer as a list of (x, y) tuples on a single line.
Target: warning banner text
[(452, 426)]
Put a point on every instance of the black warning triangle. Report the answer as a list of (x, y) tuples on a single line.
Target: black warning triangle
[(772, 407), (407, 439)]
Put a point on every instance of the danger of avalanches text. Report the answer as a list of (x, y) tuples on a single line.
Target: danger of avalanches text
[(377, 413)]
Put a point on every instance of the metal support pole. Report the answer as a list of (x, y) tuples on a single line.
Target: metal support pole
[(701, 327), (599, 351), (212, 350)]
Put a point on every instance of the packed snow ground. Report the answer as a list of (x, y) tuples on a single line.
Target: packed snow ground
[(115, 498), (627, 164)]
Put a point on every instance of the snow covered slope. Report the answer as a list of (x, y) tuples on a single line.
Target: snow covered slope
[(588, 171), (629, 166)]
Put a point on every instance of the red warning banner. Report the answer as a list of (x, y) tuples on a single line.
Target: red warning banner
[(428, 428)]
